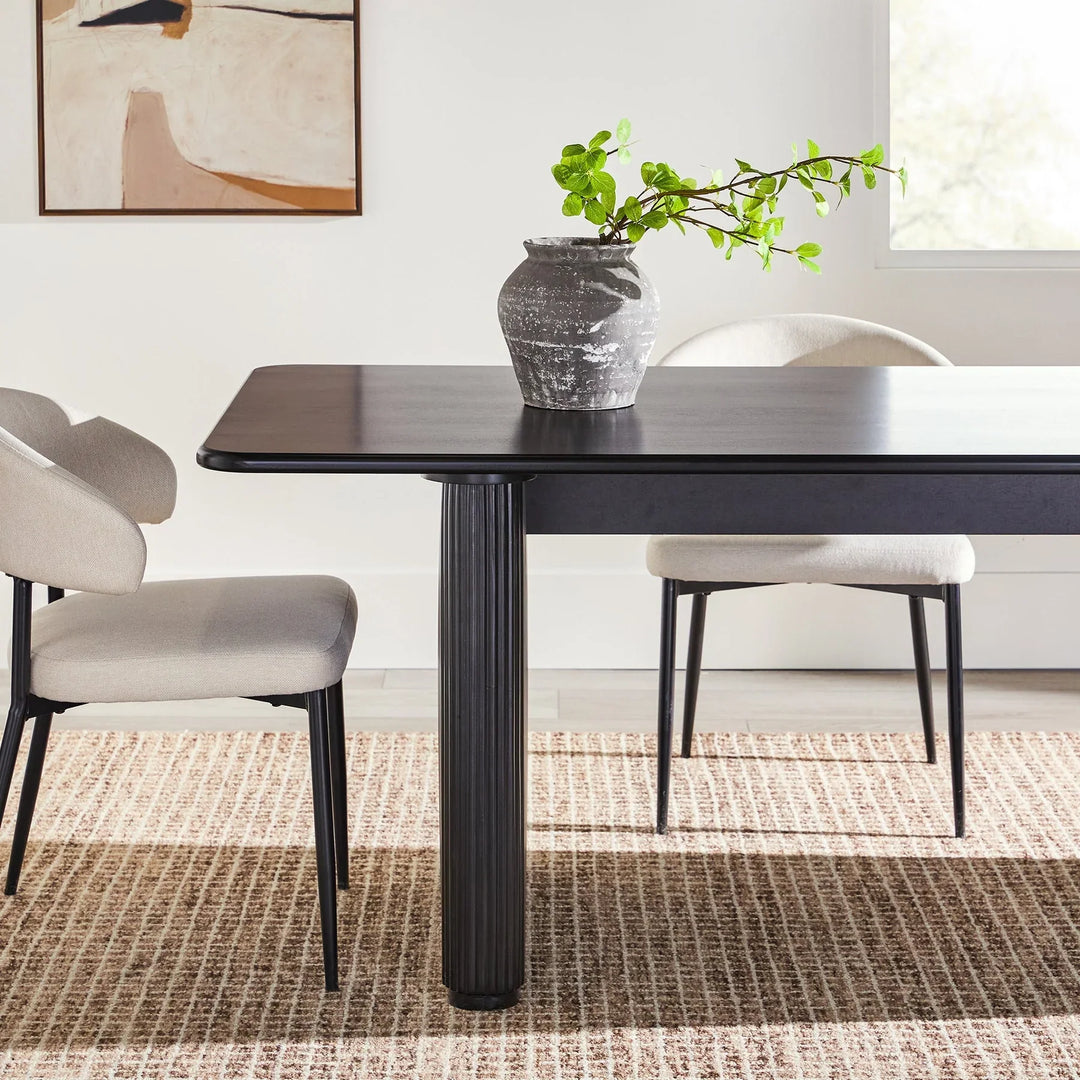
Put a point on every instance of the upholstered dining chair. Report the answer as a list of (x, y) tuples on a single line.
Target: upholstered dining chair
[(73, 489), (919, 567)]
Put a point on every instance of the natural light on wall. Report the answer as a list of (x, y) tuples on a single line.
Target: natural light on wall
[(985, 108)]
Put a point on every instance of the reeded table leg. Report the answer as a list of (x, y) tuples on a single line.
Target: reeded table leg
[(482, 734)]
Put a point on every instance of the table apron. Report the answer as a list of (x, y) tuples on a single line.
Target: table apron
[(973, 503)]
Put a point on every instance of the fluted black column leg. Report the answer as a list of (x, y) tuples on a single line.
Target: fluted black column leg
[(482, 733)]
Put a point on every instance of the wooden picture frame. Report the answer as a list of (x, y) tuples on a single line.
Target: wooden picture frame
[(294, 151)]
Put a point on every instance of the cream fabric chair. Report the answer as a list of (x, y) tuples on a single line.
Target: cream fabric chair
[(916, 566), (73, 489)]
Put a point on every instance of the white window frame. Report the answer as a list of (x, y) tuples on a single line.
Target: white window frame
[(888, 257)]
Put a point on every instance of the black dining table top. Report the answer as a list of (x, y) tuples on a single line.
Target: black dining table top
[(430, 418)]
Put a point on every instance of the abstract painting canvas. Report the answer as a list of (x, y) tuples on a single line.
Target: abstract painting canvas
[(199, 106)]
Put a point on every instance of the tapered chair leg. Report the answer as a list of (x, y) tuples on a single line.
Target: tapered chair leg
[(9, 750), (35, 759), (954, 668), (324, 831), (922, 674), (339, 782), (21, 597), (693, 670), (666, 705)]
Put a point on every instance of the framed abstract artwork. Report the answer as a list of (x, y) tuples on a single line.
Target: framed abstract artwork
[(199, 106)]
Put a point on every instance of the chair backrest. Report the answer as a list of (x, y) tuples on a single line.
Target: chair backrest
[(804, 341), (72, 489)]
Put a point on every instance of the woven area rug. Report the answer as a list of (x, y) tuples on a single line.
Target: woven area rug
[(808, 915)]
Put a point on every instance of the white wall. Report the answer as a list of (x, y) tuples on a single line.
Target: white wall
[(465, 105)]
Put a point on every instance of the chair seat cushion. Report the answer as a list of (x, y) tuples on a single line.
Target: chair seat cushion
[(181, 640), (835, 560)]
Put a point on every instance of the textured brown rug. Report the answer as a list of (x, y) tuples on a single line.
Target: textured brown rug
[(808, 916)]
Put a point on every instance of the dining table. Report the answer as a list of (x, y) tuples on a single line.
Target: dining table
[(747, 450)]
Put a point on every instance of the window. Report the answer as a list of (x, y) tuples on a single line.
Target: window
[(984, 107)]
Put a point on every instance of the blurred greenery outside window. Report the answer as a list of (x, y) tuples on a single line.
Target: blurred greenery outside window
[(984, 109)]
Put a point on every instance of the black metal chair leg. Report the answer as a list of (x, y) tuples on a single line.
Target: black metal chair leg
[(21, 597), (666, 705), (693, 670), (324, 831), (9, 749), (35, 759), (922, 674), (954, 665), (339, 782)]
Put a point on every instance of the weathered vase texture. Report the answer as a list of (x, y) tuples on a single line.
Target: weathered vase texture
[(580, 321)]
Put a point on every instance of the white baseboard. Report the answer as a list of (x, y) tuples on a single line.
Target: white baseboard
[(606, 620)]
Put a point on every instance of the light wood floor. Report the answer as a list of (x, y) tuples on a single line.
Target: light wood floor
[(405, 700)]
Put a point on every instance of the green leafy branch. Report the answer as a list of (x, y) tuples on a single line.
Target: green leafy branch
[(739, 213)]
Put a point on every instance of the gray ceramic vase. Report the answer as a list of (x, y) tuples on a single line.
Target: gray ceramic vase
[(580, 320)]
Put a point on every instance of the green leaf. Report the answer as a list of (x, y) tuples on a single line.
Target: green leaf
[(874, 156), (561, 173), (783, 183), (654, 219), (689, 183), (822, 206), (778, 222), (596, 159), (572, 205), (604, 181), (717, 177), (648, 173), (823, 169), (808, 250), (869, 177), (812, 149), (622, 132), (573, 150), (579, 182), (845, 182), (717, 236), (632, 209), (678, 225), (771, 203), (607, 200), (744, 166), (635, 231), (805, 179), (902, 176), (810, 265), (766, 185), (599, 139), (624, 155), (594, 212)]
